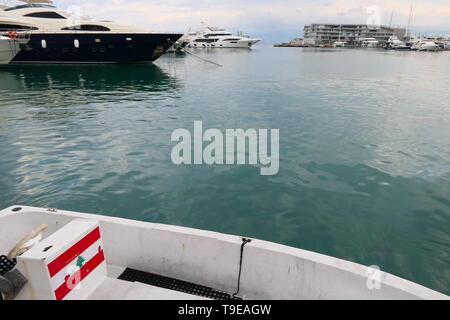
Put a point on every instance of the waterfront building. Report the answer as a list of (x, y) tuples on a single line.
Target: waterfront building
[(352, 34)]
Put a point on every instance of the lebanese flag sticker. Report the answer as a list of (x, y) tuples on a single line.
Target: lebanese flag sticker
[(69, 269)]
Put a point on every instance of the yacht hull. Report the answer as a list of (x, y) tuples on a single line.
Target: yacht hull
[(6, 55), (8, 49), (91, 47), (245, 44)]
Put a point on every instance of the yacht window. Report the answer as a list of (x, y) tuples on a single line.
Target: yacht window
[(4, 26), (129, 39), (217, 34), (98, 40), (76, 43), (205, 40), (47, 15), (230, 39), (43, 44), (87, 27), (30, 5)]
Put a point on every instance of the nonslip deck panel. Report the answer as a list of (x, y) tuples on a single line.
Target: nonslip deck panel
[(6, 264), (174, 284)]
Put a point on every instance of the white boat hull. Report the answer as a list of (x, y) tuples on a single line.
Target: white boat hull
[(245, 44), (269, 270), (8, 50)]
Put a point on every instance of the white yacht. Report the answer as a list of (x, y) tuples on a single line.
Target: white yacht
[(428, 46), (369, 42), (339, 44), (57, 36), (9, 48), (211, 37), (424, 45), (396, 44), (50, 254)]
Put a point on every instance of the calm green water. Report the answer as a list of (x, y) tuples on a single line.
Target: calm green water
[(364, 148)]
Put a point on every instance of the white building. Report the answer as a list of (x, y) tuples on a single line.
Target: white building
[(327, 34)]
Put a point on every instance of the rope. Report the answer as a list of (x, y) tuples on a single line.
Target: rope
[(26, 243), (198, 57), (244, 242)]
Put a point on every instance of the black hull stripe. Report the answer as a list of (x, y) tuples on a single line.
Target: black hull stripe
[(95, 48)]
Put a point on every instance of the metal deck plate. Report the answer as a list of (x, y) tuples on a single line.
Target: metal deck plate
[(174, 284)]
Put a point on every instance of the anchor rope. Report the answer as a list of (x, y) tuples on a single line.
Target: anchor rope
[(198, 57)]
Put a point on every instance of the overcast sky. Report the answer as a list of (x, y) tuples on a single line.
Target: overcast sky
[(273, 20)]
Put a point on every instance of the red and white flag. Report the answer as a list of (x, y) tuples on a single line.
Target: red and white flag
[(69, 269)]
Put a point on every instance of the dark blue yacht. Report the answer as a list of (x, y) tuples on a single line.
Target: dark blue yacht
[(56, 36)]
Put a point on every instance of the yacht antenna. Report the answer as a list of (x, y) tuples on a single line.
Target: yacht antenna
[(390, 22)]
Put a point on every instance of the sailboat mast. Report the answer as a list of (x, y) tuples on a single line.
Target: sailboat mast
[(390, 22), (409, 23)]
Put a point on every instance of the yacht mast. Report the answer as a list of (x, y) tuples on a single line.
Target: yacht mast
[(390, 22), (409, 24), (340, 31)]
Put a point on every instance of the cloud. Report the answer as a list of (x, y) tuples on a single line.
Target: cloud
[(263, 17)]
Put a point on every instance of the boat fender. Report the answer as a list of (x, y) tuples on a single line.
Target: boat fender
[(11, 283), (27, 242)]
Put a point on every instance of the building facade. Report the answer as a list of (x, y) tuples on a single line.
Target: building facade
[(352, 34)]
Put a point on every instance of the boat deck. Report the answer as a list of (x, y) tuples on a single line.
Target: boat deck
[(130, 284), (116, 289)]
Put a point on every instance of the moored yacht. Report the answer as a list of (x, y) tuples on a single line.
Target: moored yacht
[(339, 44), (425, 45), (56, 36), (369, 42), (429, 46), (396, 44), (211, 37)]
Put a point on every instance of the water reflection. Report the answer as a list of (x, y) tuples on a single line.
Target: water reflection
[(66, 85)]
